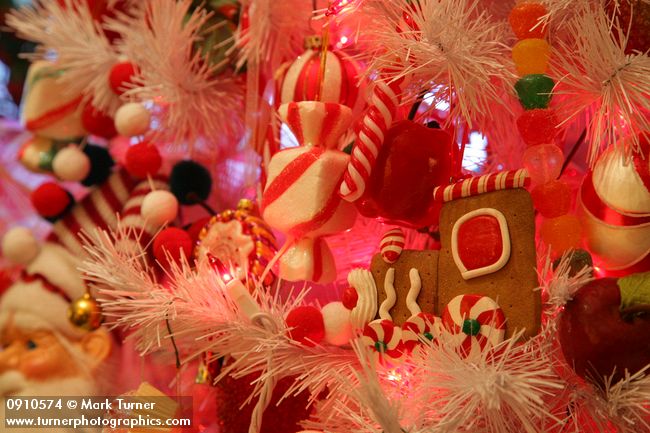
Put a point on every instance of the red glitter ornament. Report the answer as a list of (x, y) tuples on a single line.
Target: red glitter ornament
[(121, 77), (307, 325), (172, 242), (142, 160), (97, 123), (50, 200)]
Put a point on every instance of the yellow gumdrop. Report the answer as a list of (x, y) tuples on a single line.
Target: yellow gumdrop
[(531, 56)]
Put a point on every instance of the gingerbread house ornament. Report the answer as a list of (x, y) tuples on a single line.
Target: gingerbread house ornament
[(487, 229)]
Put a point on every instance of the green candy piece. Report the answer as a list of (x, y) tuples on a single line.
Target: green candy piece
[(471, 327), (45, 158), (579, 260), (534, 91)]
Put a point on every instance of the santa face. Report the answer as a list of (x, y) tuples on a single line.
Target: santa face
[(38, 355)]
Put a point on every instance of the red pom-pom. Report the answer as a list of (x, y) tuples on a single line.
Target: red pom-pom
[(172, 240), (194, 230), (307, 325), (350, 298), (98, 123), (142, 159), (50, 200), (121, 76)]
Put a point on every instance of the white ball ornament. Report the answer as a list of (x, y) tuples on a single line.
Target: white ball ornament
[(159, 207), (132, 119), (19, 246), (71, 164), (338, 329)]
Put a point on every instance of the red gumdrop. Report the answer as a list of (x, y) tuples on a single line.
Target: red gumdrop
[(480, 242), (350, 298), (562, 233), (142, 160), (50, 200), (174, 242), (307, 325), (524, 19), (97, 123), (538, 126), (552, 199), (121, 76)]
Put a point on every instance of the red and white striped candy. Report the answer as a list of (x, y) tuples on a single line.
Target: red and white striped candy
[(97, 210), (392, 244), (419, 326), (377, 120), (482, 184), (302, 81), (384, 339), (476, 322)]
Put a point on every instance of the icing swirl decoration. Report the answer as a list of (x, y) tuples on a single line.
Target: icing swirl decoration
[(240, 239), (366, 309), (391, 295)]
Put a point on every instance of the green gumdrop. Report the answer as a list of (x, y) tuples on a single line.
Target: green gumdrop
[(635, 290), (534, 91), (578, 261)]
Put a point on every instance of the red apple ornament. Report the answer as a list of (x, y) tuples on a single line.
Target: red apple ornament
[(412, 162), (605, 329)]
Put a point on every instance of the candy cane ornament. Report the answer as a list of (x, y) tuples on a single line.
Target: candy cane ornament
[(376, 122), (475, 323)]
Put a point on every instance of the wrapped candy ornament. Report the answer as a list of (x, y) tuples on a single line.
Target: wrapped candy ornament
[(301, 196), (614, 207)]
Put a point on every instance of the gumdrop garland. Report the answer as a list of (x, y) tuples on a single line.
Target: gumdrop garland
[(538, 128)]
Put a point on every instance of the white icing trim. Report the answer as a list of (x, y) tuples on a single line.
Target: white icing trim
[(414, 291), (366, 309), (391, 295), (505, 240)]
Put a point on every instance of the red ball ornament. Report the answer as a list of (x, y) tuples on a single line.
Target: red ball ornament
[(50, 200), (142, 160), (302, 81), (350, 298), (98, 123), (121, 76), (172, 242), (307, 325)]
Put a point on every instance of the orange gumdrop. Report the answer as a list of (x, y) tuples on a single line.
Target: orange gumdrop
[(562, 233), (552, 199), (524, 20), (531, 56)]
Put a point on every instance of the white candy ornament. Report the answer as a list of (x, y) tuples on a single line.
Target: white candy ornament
[(71, 164), (475, 323), (392, 245), (336, 318), (19, 246), (159, 208), (384, 340), (132, 119)]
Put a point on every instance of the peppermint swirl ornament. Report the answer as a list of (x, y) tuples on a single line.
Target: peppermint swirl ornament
[(475, 323), (384, 340), (417, 327)]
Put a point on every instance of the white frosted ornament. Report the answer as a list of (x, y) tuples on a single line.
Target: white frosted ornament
[(159, 207), (19, 246), (71, 164), (338, 329), (132, 119)]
